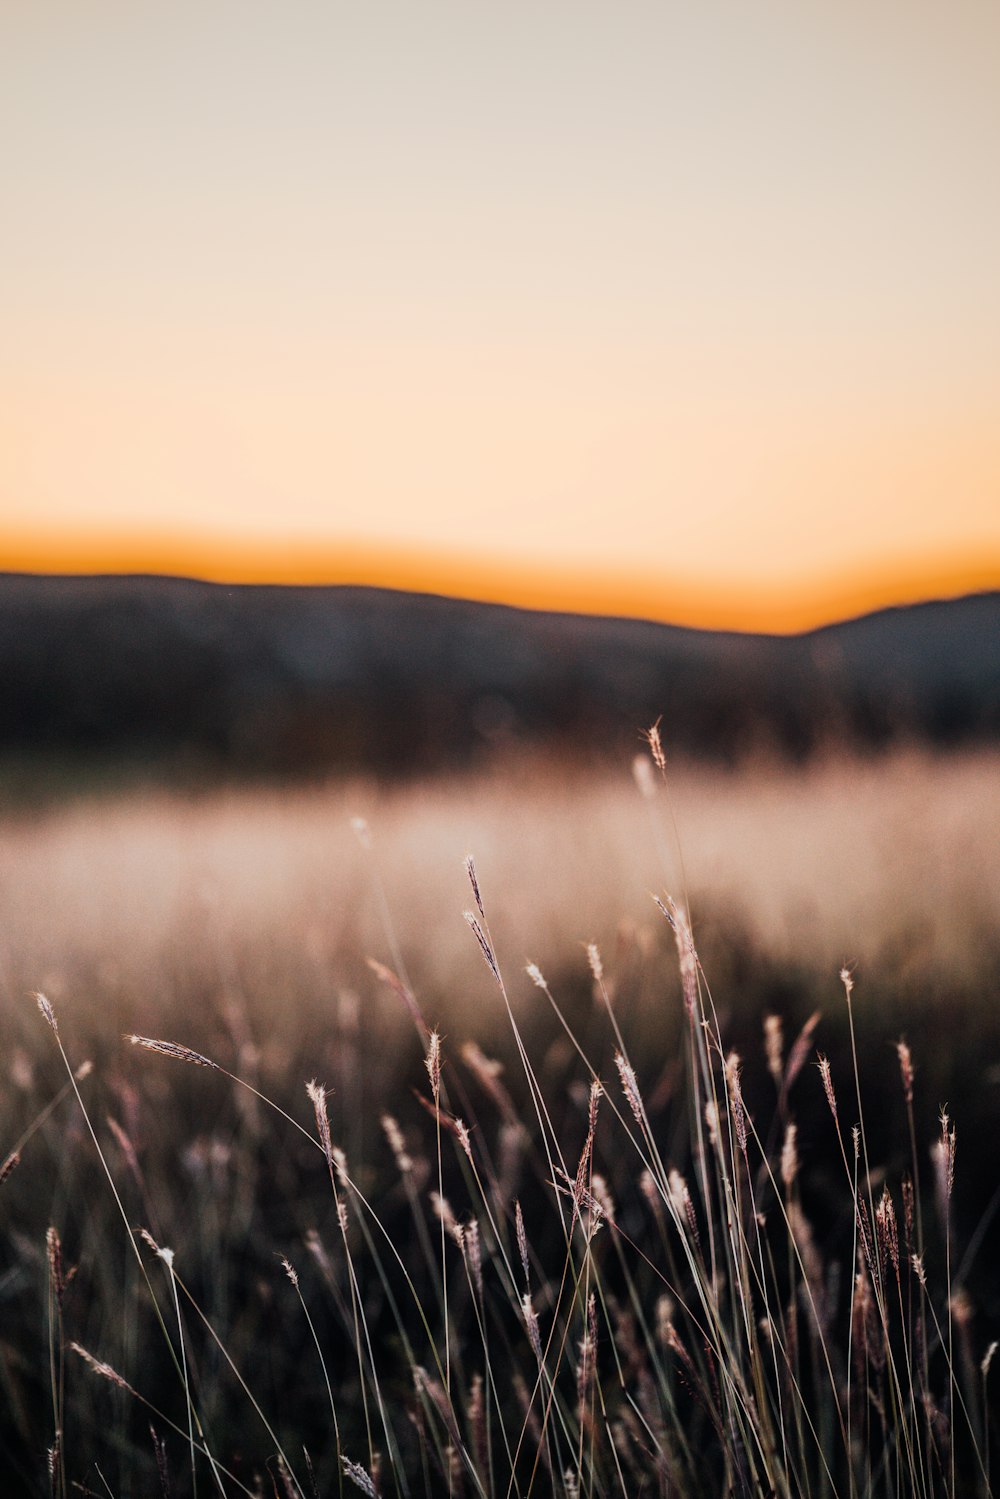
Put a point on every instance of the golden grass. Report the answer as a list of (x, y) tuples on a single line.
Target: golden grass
[(730, 1274)]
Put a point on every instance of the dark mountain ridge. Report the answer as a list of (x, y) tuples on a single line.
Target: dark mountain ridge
[(260, 679)]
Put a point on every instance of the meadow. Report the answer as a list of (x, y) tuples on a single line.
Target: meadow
[(612, 1176)]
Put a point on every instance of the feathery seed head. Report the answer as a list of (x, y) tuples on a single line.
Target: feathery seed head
[(824, 1071), (888, 1231), (470, 869), (484, 945), (602, 1194), (171, 1049), (905, 1069), (531, 1323), (442, 1211), (790, 1154), (473, 1249), (629, 1086), (48, 1013), (522, 1240), (104, 1370), (596, 1093), (732, 1070), (462, 1135), (359, 1477), (317, 1097), (394, 1135), (53, 1249), (943, 1156), (665, 1309), (432, 1062), (652, 737)]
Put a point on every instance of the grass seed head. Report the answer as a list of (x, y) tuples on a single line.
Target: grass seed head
[(652, 737), (397, 1144), (943, 1157), (737, 1108), (463, 1137), (801, 1047), (522, 1241), (665, 1309), (432, 1062), (531, 1323), (104, 1370), (905, 1070), (53, 1249), (485, 946), (473, 1250), (359, 1476), (824, 1072), (790, 1154), (172, 1049), (48, 1013), (603, 1196), (317, 1097), (470, 869), (442, 1211), (888, 1231), (629, 1086)]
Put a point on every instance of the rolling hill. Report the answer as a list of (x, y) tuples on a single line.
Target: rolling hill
[(256, 679)]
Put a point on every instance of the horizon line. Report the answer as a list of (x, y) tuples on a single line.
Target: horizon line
[(826, 598)]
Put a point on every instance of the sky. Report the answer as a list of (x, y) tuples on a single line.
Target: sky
[(682, 310)]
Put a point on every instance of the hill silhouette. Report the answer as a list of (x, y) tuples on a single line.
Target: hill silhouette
[(268, 679)]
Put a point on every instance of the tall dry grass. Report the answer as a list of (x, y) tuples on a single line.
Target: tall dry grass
[(606, 1255)]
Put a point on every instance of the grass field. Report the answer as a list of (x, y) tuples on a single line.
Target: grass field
[(709, 1293)]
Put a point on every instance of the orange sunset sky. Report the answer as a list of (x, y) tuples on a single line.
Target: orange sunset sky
[(683, 310)]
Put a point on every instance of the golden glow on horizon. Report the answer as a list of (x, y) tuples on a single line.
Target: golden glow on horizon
[(686, 312), (804, 605)]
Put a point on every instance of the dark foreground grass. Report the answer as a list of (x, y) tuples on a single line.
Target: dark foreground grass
[(610, 1256)]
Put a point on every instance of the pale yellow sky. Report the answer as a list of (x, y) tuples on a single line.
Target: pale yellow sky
[(704, 296)]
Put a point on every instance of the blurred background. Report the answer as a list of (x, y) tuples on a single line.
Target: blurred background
[(402, 413), (402, 410)]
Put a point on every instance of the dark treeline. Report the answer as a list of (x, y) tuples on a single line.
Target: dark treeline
[(262, 680)]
